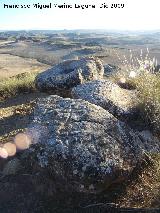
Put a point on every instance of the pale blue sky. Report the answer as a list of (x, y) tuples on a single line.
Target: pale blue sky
[(136, 15)]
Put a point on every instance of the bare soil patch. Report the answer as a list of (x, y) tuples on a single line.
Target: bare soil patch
[(12, 65)]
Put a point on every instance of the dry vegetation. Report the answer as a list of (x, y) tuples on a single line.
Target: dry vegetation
[(144, 189), (21, 83), (148, 85), (146, 80)]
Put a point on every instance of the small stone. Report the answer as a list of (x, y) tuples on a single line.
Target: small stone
[(81, 186), (132, 74), (91, 187), (84, 168), (75, 172)]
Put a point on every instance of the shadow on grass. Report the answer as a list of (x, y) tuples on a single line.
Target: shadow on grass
[(22, 109), (21, 99)]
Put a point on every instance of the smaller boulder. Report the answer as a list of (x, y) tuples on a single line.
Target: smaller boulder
[(70, 73), (120, 102), (157, 68), (109, 69)]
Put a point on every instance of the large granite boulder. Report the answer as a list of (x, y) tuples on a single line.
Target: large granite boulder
[(69, 74), (120, 102), (81, 146)]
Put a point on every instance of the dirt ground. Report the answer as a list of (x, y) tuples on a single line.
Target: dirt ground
[(11, 65)]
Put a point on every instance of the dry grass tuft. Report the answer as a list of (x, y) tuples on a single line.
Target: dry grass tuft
[(21, 83), (144, 190), (141, 75), (145, 78)]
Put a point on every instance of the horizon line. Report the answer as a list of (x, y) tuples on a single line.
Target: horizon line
[(83, 29)]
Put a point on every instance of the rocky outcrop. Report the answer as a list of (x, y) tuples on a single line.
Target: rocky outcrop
[(157, 68), (70, 73), (120, 102), (83, 147), (109, 69)]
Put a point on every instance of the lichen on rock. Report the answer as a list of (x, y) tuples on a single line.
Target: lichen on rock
[(120, 102), (70, 73), (85, 145)]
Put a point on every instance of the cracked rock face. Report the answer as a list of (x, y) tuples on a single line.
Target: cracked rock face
[(85, 148), (69, 74), (120, 102)]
